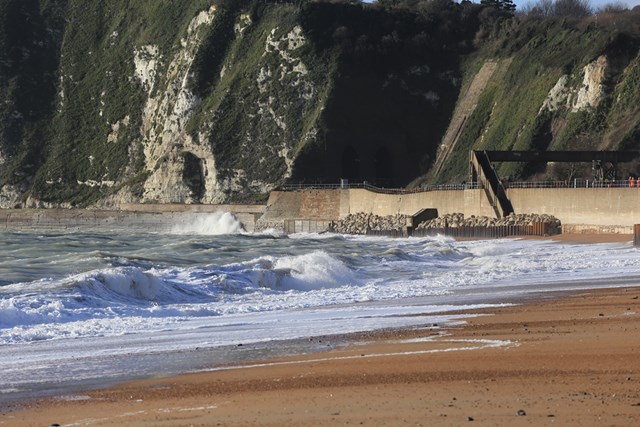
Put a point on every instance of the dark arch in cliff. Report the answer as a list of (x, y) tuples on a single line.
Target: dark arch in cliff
[(350, 164), (384, 167), (193, 174)]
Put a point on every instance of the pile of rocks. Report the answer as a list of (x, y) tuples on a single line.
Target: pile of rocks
[(361, 222), (458, 220)]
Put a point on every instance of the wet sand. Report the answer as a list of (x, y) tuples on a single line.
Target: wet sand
[(592, 238), (570, 359)]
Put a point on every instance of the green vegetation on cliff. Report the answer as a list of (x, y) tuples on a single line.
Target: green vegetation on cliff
[(513, 112), (220, 100)]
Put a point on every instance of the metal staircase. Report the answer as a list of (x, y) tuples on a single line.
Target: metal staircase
[(483, 172)]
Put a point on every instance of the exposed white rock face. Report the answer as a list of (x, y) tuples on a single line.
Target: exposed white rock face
[(285, 153), (93, 183), (593, 89), (245, 21), (165, 116), (34, 203), (170, 152), (262, 80), (284, 46), (9, 196), (292, 67), (146, 61), (115, 129), (558, 96), (587, 95)]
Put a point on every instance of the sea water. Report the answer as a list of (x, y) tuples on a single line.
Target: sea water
[(80, 309)]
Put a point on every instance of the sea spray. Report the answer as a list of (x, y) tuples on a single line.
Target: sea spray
[(216, 223)]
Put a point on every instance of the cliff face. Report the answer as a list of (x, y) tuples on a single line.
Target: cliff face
[(555, 87), (154, 102), (209, 101)]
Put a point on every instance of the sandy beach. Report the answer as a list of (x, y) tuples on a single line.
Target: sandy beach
[(569, 360)]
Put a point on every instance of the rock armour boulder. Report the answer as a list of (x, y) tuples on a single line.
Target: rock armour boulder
[(361, 222), (458, 220)]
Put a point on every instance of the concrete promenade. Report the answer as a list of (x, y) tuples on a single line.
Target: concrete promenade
[(593, 210)]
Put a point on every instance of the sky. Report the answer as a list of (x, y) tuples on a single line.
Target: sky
[(594, 3)]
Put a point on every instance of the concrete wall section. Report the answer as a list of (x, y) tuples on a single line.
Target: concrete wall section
[(305, 204), (106, 220), (320, 204), (317, 205), (176, 207), (619, 207), (468, 202), (248, 215), (607, 210)]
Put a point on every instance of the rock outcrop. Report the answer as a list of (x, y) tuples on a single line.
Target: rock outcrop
[(588, 93)]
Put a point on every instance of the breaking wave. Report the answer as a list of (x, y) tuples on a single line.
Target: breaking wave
[(212, 224)]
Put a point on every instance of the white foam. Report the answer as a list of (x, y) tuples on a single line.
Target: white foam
[(216, 223), (316, 270)]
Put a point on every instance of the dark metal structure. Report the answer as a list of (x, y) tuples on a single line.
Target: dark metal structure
[(604, 168), (604, 163)]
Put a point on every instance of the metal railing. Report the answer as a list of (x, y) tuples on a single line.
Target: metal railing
[(367, 186), (577, 183), (292, 226)]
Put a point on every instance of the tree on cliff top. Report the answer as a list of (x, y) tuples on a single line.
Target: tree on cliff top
[(503, 5), (575, 9)]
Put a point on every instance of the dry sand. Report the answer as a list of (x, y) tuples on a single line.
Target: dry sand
[(572, 359)]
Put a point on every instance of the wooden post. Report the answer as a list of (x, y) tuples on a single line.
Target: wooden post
[(636, 235)]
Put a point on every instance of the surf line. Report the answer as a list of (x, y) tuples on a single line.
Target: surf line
[(481, 345)]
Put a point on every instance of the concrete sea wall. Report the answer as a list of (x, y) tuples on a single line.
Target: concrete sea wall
[(134, 218), (606, 210), (599, 210)]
